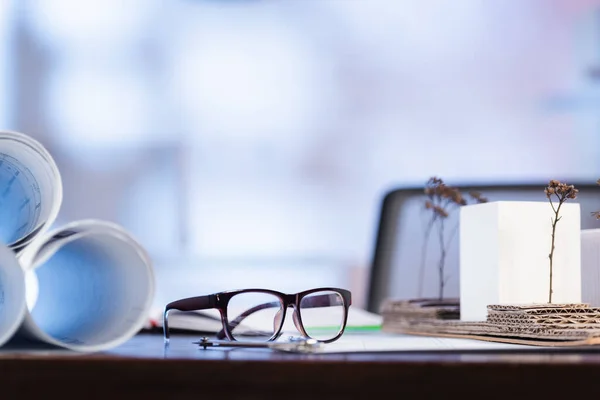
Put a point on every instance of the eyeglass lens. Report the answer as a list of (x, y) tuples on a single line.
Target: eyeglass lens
[(254, 316), (322, 314)]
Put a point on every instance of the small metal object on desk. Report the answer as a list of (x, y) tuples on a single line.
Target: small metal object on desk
[(294, 344)]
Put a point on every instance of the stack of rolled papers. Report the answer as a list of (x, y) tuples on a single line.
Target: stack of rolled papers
[(87, 285)]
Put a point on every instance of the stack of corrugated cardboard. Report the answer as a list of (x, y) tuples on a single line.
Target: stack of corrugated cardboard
[(537, 324)]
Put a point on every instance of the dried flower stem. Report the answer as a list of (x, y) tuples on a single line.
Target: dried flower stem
[(441, 201), (551, 255), (562, 192), (596, 214), (428, 230), (442, 260)]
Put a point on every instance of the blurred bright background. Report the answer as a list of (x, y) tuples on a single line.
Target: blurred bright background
[(249, 142)]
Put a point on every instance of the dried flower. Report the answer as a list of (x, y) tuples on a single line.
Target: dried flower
[(440, 212), (457, 198), (441, 199), (596, 214), (478, 197), (562, 192), (554, 183)]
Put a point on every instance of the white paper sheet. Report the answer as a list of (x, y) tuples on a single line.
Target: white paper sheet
[(382, 342)]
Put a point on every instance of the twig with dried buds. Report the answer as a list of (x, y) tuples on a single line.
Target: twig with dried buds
[(441, 200), (562, 192), (596, 214)]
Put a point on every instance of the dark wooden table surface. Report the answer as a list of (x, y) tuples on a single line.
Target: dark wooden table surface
[(145, 368)]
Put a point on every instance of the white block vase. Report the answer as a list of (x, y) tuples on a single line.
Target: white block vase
[(590, 267), (504, 249)]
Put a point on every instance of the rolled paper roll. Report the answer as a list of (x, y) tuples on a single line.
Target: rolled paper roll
[(30, 189), (12, 294), (90, 286)]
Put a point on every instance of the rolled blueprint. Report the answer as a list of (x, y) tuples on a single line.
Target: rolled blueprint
[(90, 286), (12, 294), (30, 189)]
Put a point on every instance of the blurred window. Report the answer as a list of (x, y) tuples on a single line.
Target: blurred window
[(260, 136)]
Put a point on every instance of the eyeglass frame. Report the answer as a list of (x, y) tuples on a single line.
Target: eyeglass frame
[(220, 301)]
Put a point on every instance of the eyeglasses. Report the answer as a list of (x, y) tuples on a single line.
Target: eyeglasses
[(259, 314)]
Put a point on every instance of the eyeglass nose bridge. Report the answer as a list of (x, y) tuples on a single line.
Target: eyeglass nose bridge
[(297, 322), (291, 301), (296, 315), (282, 314)]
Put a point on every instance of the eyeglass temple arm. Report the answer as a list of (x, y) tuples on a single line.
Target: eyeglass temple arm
[(323, 300), (188, 304)]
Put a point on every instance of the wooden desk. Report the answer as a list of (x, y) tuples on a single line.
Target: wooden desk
[(143, 368)]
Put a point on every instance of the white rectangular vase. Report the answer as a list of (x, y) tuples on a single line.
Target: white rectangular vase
[(590, 267), (504, 248)]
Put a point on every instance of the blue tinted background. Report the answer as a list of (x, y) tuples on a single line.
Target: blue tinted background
[(248, 142)]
